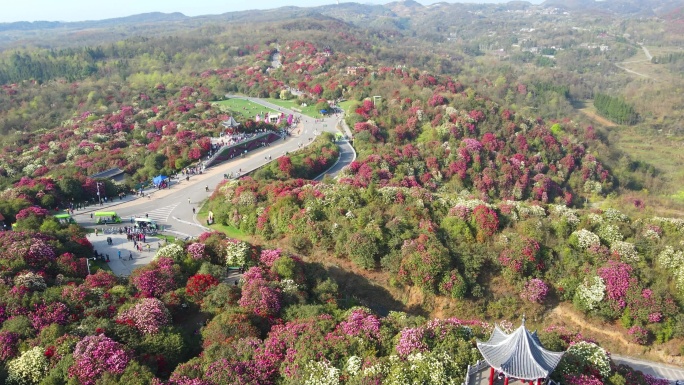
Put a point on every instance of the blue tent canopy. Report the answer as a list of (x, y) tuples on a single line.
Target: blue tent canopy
[(160, 178)]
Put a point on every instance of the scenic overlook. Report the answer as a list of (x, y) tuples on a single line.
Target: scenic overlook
[(324, 192)]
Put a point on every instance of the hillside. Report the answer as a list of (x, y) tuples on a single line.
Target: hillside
[(480, 193)]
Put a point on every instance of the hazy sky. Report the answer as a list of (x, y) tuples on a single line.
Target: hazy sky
[(78, 10)]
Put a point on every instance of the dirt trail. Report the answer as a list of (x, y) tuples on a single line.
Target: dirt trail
[(598, 118), (565, 315)]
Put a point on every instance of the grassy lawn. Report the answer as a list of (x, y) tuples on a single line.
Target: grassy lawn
[(291, 104), (346, 105), (230, 231), (238, 106), (662, 151), (99, 265)]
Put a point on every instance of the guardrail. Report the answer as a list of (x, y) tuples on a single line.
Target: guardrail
[(479, 365), (223, 153)]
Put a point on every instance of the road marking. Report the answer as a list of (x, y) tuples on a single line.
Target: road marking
[(161, 214)]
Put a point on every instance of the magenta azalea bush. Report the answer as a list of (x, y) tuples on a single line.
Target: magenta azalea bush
[(95, 355), (535, 290), (8, 345), (157, 278), (268, 257), (259, 294), (638, 335), (582, 379), (33, 210), (362, 323), (196, 251), (46, 314), (149, 315)]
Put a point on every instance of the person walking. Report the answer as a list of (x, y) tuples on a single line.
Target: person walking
[(193, 210), (119, 254), (188, 200), (130, 255)]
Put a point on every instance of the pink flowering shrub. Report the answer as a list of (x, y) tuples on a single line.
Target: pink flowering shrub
[(268, 257), (157, 278), (616, 276), (535, 290), (225, 371), (433, 333), (39, 254), (95, 355), (44, 315), (196, 251), (9, 345), (259, 294), (361, 323), (33, 210), (453, 285), (638, 335), (582, 379), (149, 315)]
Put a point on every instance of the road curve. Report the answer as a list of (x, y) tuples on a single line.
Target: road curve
[(668, 372), (173, 207)]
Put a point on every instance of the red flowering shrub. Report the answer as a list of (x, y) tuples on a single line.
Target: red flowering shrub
[(71, 266), (33, 210), (485, 221), (198, 284), (102, 279)]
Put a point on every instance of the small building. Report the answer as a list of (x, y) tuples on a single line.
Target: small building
[(519, 355), (114, 174), (231, 123)]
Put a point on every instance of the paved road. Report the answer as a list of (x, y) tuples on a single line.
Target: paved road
[(669, 372), (172, 207)]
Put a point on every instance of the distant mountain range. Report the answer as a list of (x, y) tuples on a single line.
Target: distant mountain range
[(153, 17), (361, 14), (621, 7)]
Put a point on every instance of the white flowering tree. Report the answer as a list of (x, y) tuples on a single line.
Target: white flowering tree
[(435, 368), (581, 358), (173, 251), (29, 368), (590, 293), (627, 251), (673, 261), (585, 239), (30, 280), (321, 373), (237, 253)]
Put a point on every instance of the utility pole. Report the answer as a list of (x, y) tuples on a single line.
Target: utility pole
[(99, 199)]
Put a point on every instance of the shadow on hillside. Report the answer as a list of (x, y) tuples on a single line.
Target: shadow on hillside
[(358, 289)]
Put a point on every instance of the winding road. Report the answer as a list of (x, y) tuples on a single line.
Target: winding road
[(172, 207)]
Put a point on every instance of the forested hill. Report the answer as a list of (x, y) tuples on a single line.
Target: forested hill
[(622, 7), (151, 17)]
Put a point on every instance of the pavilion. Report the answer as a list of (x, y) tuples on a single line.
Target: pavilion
[(519, 355), (230, 123)]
